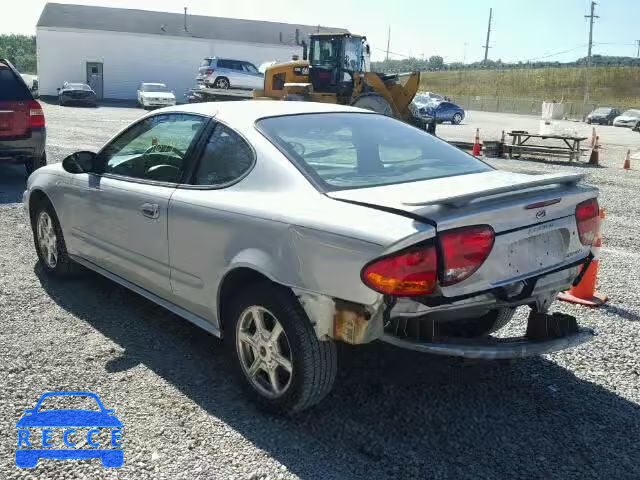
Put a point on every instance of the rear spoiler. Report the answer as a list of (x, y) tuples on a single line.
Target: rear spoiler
[(536, 181)]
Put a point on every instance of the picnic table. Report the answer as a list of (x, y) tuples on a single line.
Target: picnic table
[(571, 147)]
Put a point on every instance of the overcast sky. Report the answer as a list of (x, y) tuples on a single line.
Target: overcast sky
[(455, 29)]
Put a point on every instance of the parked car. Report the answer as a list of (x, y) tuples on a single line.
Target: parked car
[(443, 111), (630, 118), (603, 115), (22, 124), (227, 73), (286, 227), (77, 94), (153, 95)]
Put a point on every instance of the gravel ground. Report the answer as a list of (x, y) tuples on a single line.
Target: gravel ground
[(392, 414)]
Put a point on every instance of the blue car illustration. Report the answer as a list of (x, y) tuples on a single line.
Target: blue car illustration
[(68, 418)]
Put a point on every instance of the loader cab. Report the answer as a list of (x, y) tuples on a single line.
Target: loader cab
[(334, 61)]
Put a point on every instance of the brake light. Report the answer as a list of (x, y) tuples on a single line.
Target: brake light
[(210, 71), (406, 274), (36, 115), (588, 220), (464, 250)]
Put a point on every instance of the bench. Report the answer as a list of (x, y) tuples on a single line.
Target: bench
[(517, 150)]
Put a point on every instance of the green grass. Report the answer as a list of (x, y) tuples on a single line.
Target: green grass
[(609, 85)]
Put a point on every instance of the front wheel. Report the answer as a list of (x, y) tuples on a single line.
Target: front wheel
[(49, 242), (457, 118), (280, 361)]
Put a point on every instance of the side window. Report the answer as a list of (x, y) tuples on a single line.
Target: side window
[(225, 159), (155, 148), (278, 81), (225, 64)]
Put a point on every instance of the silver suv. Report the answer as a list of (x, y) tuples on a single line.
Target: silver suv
[(227, 73)]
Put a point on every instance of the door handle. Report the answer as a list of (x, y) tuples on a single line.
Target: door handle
[(151, 210)]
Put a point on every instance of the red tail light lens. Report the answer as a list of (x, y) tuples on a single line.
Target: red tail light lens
[(36, 115), (210, 71), (588, 220), (406, 274), (464, 250)]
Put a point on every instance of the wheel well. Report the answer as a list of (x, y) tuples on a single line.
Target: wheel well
[(36, 199), (233, 282)]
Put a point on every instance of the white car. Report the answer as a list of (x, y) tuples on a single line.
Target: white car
[(630, 118), (152, 95)]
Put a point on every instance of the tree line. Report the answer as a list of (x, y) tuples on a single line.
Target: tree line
[(436, 63), (20, 50)]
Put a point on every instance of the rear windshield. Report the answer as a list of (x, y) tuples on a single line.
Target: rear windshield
[(154, 87), (602, 111), (632, 113), (354, 150), (77, 86), (10, 87)]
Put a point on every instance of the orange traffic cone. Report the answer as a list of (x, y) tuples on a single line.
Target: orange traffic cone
[(585, 292), (594, 159), (593, 137), (476, 144), (627, 161)]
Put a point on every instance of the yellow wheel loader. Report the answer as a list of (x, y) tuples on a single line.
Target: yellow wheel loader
[(336, 69)]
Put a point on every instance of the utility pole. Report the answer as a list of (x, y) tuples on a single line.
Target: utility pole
[(185, 19), (587, 82), (486, 45), (388, 41), (638, 53)]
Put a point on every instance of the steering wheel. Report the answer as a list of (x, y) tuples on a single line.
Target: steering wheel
[(163, 149), (298, 148)]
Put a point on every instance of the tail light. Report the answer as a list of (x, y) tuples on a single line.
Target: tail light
[(415, 272), (36, 115), (209, 71), (406, 274), (464, 250), (588, 220)]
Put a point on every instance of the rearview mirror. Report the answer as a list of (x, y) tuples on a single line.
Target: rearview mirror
[(79, 162)]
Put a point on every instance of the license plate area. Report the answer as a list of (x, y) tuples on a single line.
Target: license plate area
[(537, 252)]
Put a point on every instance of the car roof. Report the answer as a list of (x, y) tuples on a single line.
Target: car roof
[(245, 112)]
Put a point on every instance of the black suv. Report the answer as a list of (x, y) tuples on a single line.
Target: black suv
[(22, 125)]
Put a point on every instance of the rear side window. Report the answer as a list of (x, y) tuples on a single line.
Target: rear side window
[(225, 64), (226, 158), (10, 87), (355, 150)]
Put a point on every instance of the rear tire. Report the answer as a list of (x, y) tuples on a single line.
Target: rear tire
[(304, 368), (374, 102), (35, 163), (222, 83), (49, 241), (457, 119)]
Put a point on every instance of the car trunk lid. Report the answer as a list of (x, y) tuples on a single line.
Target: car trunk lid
[(14, 104), (533, 217)]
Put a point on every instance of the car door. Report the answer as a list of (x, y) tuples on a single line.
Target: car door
[(444, 112), (202, 230), (119, 216), (238, 78), (255, 79)]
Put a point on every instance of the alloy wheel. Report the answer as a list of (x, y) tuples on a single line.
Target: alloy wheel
[(264, 351), (47, 239)]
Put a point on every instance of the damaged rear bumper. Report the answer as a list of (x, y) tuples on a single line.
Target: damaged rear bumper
[(546, 333)]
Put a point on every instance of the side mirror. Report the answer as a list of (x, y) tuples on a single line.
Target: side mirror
[(58, 89), (79, 162), (29, 410)]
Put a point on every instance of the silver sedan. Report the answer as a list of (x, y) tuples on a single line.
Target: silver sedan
[(286, 227)]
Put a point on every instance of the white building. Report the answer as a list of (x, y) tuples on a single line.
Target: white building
[(115, 49)]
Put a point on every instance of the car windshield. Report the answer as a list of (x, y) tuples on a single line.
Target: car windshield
[(632, 113), (154, 87), (353, 150), (249, 67), (602, 111), (77, 86)]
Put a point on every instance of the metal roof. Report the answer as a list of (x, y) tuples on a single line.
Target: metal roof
[(58, 15)]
